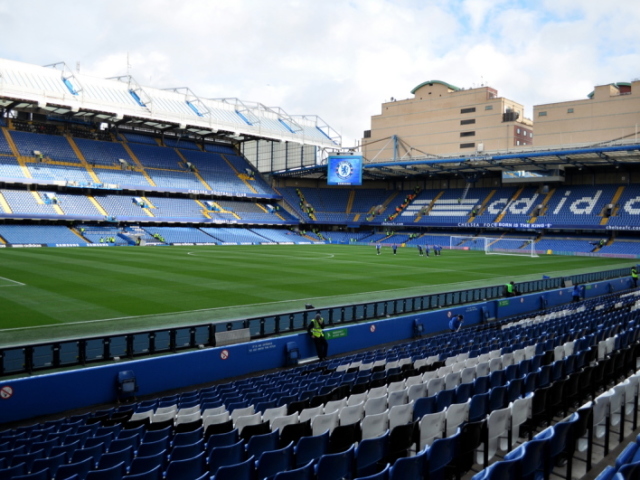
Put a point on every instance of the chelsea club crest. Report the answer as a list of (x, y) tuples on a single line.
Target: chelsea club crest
[(344, 169)]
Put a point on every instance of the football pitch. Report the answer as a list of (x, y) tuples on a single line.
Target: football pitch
[(57, 293)]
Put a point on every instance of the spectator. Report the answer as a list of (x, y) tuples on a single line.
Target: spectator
[(456, 322)]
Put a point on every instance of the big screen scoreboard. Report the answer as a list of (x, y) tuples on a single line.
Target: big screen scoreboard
[(344, 170)]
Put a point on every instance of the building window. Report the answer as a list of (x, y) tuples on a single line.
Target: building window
[(542, 114), (517, 142), (519, 132), (468, 122), (468, 134), (488, 107), (467, 145), (569, 110), (468, 110)]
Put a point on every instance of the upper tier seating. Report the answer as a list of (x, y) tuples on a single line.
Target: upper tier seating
[(54, 147), (103, 153)]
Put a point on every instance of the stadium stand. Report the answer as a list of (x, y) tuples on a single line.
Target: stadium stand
[(517, 390)]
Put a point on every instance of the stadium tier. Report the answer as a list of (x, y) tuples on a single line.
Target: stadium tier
[(529, 382)]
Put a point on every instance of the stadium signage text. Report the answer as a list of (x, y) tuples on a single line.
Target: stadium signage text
[(261, 347), (622, 227), (336, 333), (506, 225)]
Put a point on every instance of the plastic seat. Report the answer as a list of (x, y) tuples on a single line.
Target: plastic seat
[(375, 405), (221, 439), (444, 398), (304, 472), (182, 452), (187, 438), (478, 407), (310, 448), (94, 452), (400, 415), (520, 414), (321, 423), (52, 463), (503, 470), (278, 423), (343, 436), (424, 406), (416, 391), (533, 459), (401, 440), (34, 475), (44, 445), (80, 468), (398, 397), (431, 427), (356, 398), (369, 453), (153, 448), (434, 386), (114, 472), (242, 421), (455, 415), (309, 413), (154, 474), (14, 470), (186, 469), (441, 455), (154, 435), (498, 398), (141, 464), (294, 432), (28, 458), (123, 442), (274, 461), (226, 455), (249, 431), (239, 471), (472, 435), (405, 468), (350, 414), (335, 466), (381, 475), (375, 425), (498, 425), (114, 457), (561, 444), (481, 385), (258, 444)]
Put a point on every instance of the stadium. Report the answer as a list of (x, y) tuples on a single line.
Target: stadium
[(164, 256)]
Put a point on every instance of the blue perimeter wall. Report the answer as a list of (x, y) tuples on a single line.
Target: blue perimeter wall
[(60, 392)]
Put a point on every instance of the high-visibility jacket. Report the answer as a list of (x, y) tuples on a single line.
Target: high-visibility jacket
[(509, 288), (634, 272), (316, 328)]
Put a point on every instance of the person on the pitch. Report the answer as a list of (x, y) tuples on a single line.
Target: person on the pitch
[(395, 248), (420, 250), (378, 248)]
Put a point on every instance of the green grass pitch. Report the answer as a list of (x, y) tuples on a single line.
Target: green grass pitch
[(60, 293)]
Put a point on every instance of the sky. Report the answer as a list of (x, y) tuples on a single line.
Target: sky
[(338, 59)]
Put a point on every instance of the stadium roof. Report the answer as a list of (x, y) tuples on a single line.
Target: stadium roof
[(615, 156), (57, 90)]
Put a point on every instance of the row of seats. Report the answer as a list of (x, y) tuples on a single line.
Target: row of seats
[(397, 386)]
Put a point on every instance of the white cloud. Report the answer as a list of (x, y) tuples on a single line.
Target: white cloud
[(337, 59)]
